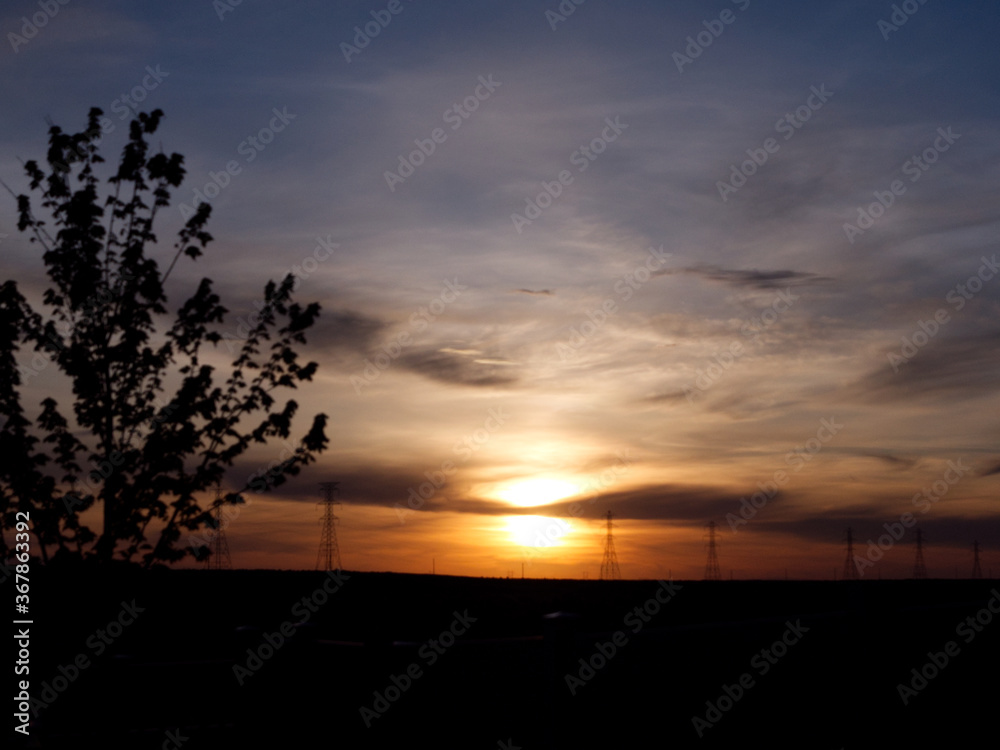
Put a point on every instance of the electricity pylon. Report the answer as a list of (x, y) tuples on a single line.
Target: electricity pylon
[(609, 567), (328, 557), (220, 558), (850, 569), (919, 568), (712, 572)]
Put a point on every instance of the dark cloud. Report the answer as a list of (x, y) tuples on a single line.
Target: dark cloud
[(952, 369), (750, 278), (345, 329), (990, 471), (668, 397), (939, 530), (456, 369), (360, 483), (548, 292), (679, 504), (897, 462), (689, 505)]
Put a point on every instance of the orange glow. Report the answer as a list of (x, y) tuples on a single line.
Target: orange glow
[(531, 492), (537, 531)]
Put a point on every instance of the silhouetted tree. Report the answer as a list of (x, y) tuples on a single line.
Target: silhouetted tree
[(150, 456)]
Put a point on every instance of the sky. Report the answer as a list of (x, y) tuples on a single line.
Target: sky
[(689, 262)]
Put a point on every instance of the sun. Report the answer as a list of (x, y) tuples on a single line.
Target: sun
[(528, 493), (537, 531)]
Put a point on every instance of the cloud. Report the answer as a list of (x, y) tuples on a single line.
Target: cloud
[(994, 469), (668, 397), (548, 292), (456, 369), (939, 531), (689, 505), (954, 369), (897, 462), (749, 278), (346, 329)]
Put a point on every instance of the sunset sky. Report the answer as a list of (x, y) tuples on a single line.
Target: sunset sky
[(580, 258)]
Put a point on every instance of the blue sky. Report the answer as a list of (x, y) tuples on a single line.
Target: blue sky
[(649, 309)]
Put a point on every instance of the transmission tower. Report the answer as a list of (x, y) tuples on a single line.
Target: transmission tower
[(609, 567), (328, 557), (712, 572), (219, 559), (919, 569), (977, 571), (850, 569)]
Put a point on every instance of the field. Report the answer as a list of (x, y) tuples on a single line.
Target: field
[(294, 659)]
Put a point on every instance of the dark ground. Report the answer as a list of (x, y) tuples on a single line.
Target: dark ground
[(170, 673)]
